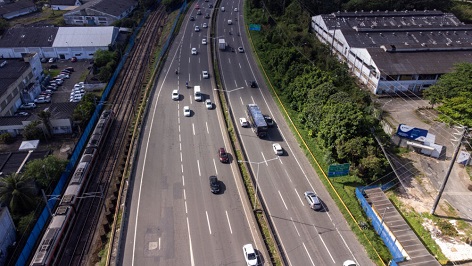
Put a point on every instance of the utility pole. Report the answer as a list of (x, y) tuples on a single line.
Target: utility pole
[(443, 186)]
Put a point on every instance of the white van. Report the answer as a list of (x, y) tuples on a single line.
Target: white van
[(230, 22), (197, 93)]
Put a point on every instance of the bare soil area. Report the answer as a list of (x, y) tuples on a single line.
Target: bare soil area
[(423, 176)]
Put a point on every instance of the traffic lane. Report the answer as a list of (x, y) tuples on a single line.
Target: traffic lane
[(145, 242), (333, 226), (319, 231), (209, 223), (283, 202)]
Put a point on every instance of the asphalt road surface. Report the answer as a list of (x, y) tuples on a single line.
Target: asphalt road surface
[(307, 237), (174, 218)]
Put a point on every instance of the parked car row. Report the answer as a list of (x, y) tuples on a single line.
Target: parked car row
[(77, 92)]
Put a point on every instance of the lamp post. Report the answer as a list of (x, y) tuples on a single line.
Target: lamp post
[(382, 220), (257, 176)]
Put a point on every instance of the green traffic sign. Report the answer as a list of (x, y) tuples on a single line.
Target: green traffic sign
[(338, 169)]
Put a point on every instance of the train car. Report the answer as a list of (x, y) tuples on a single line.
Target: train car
[(78, 181), (58, 229), (51, 243), (101, 129)]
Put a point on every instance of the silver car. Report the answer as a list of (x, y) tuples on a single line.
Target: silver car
[(313, 200)]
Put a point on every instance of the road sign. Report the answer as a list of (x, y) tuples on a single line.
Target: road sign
[(338, 169), (256, 27)]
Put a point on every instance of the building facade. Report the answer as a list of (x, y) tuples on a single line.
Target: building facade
[(395, 52), (7, 233)]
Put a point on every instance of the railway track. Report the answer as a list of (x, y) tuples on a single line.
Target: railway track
[(96, 213)]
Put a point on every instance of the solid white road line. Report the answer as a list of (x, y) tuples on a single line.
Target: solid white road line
[(206, 124), (192, 261), (229, 223), (308, 253), (208, 221), (193, 128), (282, 199), (242, 103)]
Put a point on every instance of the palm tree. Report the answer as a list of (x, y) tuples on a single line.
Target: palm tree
[(18, 192), (45, 117)]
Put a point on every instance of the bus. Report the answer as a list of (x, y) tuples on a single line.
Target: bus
[(258, 123)]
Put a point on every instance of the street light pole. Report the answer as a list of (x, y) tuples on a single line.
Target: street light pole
[(382, 220), (257, 177)]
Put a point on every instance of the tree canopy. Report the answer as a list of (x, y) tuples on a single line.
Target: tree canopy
[(453, 94)]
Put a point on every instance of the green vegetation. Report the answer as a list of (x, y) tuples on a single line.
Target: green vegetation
[(453, 95), (6, 138)]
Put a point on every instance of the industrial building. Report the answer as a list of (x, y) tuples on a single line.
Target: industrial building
[(396, 51), (57, 42)]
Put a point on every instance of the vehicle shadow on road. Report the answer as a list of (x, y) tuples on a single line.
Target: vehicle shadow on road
[(274, 134)]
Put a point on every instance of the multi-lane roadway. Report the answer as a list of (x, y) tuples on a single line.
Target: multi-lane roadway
[(174, 219), (307, 237)]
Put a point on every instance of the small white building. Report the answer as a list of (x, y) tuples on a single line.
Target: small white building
[(58, 42), (391, 52)]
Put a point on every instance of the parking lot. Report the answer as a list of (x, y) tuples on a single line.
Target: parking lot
[(62, 94)]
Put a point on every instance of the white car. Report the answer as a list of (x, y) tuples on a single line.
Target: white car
[(230, 22), (175, 95), (235, 9), (205, 74), (205, 25), (208, 104), (186, 111), (349, 263), (277, 149), (197, 28), (194, 50), (240, 49), (204, 41), (250, 255), (243, 122)]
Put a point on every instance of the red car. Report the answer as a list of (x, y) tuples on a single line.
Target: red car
[(224, 158), (197, 6)]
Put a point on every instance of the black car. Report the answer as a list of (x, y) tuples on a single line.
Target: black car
[(214, 184), (53, 66), (269, 121), (192, 18), (253, 84), (210, 5), (207, 15)]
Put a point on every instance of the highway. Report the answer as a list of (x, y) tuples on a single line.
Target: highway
[(307, 237), (174, 219)]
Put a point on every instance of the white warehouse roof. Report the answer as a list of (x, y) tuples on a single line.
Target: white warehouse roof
[(85, 36)]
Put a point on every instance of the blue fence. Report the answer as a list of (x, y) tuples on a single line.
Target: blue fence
[(44, 217), (378, 225)]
